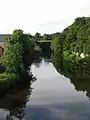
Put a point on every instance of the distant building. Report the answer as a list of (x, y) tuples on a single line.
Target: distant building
[(1, 51), (3, 37)]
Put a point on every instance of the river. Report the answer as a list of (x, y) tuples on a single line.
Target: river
[(51, 97)]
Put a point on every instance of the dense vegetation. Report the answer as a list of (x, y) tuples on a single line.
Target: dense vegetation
[(15, 54), (74, 42), (71, 54)]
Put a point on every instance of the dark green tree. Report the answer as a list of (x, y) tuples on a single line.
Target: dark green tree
[(38, 37)]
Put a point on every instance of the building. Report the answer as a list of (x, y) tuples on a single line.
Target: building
[(1, 48), (3, 37)]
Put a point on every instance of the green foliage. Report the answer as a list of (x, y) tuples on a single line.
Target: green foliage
[(77, 37), (12, 58), (47, 37), (74, 39), (70, 57), (57, 44), (87, 59), (38, 37), (7, 76), (16, 51), (28, 44), (17, 36), (54, 35), (37, 48)]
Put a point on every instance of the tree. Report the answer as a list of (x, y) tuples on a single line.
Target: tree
[(13, 53), (17, 36), (75, 39), (57, 44), (46, 37), (38, 37), (12, 58)]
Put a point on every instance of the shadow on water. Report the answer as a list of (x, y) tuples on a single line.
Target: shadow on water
[(14, 98), (78, 74), (62, 109), (45, 55), (46, 50)]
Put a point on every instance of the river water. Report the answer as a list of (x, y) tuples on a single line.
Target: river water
[(51, 97)]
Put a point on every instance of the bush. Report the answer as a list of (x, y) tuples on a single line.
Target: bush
[(7, 76)]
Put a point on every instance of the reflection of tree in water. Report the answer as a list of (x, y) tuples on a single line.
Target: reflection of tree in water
[(37, 62), (82, 83), (79, 74), (47, 61), (14, 99), (16, 113), (46, 50)]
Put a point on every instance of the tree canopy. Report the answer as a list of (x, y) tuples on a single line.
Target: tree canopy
[(75, 38)]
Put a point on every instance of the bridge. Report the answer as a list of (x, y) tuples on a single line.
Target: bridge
[(44, 41)]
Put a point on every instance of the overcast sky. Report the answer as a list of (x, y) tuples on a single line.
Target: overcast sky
[(44, 16)]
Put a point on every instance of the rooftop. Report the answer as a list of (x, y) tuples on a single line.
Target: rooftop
[(4, 37)]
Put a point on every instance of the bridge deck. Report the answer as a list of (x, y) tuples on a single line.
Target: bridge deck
[(47, 41)]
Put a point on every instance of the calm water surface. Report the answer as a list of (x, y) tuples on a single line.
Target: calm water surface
[(51, 97)]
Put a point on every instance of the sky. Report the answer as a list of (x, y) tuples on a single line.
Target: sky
[(43, 16)]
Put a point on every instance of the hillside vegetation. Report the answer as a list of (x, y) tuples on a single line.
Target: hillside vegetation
[(74, 42)]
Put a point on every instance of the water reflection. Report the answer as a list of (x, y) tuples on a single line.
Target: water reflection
[(38, 62), (54, 97), (13, 100), (45, 56), (79, 74)]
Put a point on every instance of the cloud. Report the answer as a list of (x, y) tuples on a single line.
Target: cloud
[(66, 111), (40, 15)]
